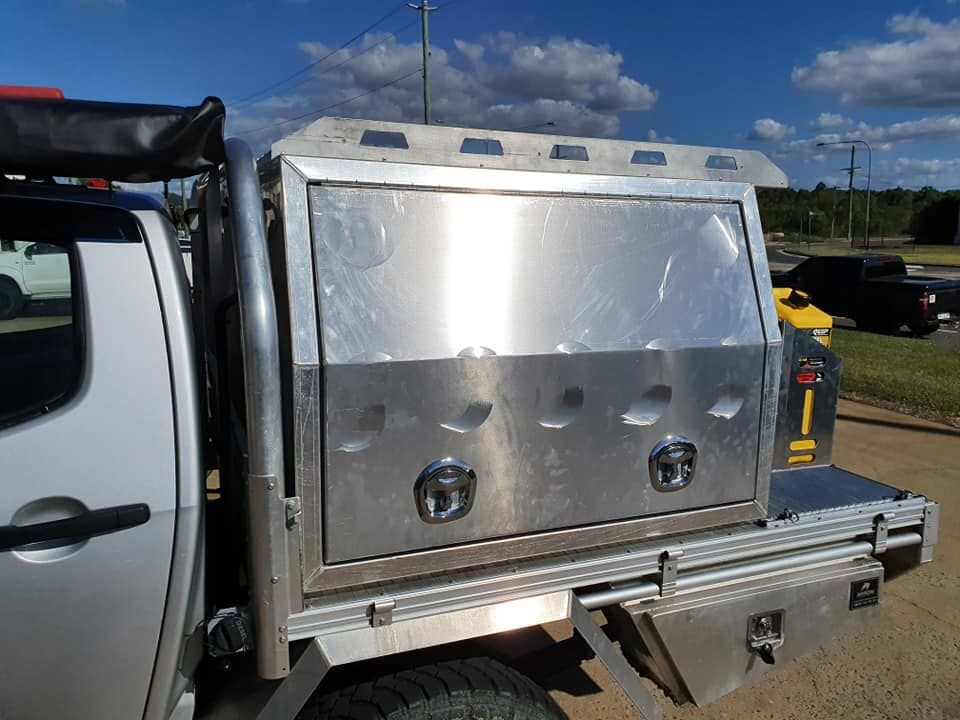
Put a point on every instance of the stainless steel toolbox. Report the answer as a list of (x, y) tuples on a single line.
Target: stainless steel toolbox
[(703, 645), (492, 348)]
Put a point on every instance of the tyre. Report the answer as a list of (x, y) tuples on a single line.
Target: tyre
[(11, 299), (475, 689), (923, 328), (871, 323)]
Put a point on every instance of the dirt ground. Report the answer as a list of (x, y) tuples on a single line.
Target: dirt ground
[(905, 666)]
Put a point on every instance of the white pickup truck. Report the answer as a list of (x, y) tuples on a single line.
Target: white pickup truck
[(31, 271)]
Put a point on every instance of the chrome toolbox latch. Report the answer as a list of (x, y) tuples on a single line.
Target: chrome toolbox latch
[(669, 560), (765, 634)]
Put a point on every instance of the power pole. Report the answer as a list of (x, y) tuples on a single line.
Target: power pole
[(833, 214), (425, 11), (850, 170)]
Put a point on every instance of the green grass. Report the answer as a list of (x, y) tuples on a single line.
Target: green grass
[(913, 254), (912, 374)]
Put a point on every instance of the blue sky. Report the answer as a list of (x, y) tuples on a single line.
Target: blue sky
[(767, 75)]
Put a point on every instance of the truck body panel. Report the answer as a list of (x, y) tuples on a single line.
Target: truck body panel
[(107, 441)]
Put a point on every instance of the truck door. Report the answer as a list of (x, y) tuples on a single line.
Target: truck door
[(45, 270), (89, 481)]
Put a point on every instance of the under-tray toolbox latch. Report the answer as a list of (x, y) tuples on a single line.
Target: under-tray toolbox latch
[(765, 634)]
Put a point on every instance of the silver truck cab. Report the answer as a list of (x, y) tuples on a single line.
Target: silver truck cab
[(430, 385)]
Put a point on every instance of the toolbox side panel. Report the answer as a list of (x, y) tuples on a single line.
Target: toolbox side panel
[(548, 341), (530, 476)]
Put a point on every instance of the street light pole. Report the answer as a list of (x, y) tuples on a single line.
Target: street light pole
[(853, 150), (866, 230)]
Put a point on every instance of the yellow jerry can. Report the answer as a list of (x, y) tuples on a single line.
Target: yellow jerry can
[(794, 307)]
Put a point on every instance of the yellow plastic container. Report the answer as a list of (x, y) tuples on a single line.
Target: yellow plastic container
[(793, 306)]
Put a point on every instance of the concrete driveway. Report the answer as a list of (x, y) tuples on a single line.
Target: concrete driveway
[(907, 666)]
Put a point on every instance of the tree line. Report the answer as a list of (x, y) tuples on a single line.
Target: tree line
[(928, 215)]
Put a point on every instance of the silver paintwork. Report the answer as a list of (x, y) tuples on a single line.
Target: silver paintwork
[(717, 658), (267, 531), (184, 603), (95, 606), (440, 145), (475, 419)]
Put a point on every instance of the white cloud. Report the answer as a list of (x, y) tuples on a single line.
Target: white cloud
[(882, 138), (828, 121), (919, 68), (912, 172), (503, 81), (769, 129), (652, 136)]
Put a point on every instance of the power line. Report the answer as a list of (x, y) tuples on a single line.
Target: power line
[(312, 65), (319, 111)]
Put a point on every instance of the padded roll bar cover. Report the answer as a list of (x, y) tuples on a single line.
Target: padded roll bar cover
[(117, 141)]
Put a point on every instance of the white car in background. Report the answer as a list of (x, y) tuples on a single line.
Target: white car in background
[(31, 271)]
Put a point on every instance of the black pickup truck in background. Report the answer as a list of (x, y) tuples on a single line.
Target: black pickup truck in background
[(875, 291)]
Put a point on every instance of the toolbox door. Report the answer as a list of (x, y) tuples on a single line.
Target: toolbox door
[(497, 364)]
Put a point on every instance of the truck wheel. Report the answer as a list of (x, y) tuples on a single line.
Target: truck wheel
[(874, 324), (475, 689), (11, 299), (923, 328)]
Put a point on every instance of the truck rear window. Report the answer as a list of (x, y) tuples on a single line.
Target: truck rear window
[(884, 268)]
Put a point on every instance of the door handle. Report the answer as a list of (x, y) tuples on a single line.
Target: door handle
[(80, 527)]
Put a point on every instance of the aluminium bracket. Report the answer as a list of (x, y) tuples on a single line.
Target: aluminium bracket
[(381, 612), (669, 562), (881, 529)]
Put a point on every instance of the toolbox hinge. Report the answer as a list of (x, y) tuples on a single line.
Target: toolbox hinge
[(294, 510), (669, 560), (881, 527), (381, 612)]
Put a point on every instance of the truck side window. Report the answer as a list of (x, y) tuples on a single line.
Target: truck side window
[(40, 355)]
